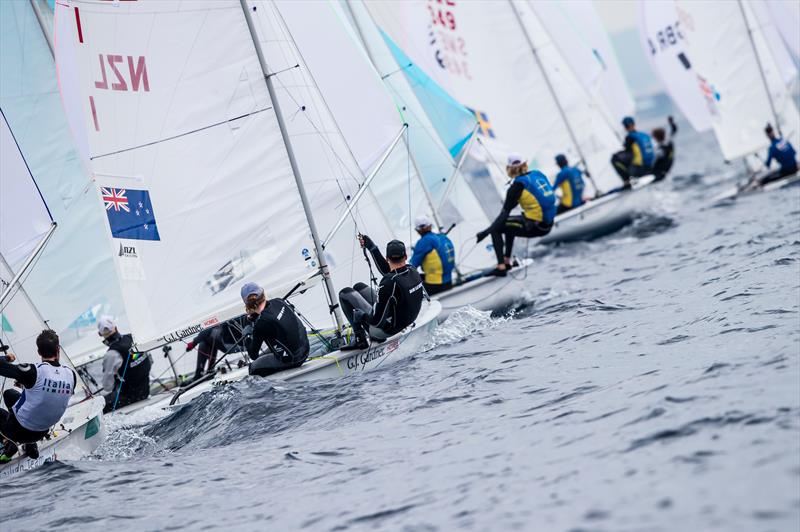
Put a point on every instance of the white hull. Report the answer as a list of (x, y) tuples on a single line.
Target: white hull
[(735, 192), (487, 293), (78, 434), (334, 365), (601, 216)]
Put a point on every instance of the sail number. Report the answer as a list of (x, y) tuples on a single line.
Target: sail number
[(136, 71)]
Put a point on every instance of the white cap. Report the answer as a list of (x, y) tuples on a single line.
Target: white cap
[(423, 220), (106, 325), (515, 159)]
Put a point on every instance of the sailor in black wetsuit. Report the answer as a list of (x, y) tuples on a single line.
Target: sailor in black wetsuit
[(397, 303), (665, 150), (277, 325), (47, 388), (211, 341), (126, 374), (531, 190)]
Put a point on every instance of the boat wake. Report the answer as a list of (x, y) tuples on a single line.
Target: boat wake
[(463, 323)]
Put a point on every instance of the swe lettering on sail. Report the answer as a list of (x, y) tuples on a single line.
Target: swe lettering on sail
[(122, 73)]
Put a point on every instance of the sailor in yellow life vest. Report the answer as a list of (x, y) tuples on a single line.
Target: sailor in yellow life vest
[(436, 254), (531, 190)]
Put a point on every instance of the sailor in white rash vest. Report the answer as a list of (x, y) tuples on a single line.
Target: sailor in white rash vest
[(47, 388)]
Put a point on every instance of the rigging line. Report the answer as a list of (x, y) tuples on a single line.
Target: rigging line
[(179, 135), (384, 76)]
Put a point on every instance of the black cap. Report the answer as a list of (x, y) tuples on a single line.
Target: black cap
[(395, 250)]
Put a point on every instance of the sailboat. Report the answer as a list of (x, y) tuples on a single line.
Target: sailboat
[(26, 227), (742, 81), (516, 83), (215, 164)]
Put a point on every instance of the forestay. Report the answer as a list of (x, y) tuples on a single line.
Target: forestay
[(718, 39), (169, 103)]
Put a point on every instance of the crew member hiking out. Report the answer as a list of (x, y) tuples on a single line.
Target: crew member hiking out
[(435, 253), (637, 158), (531, 190), (570, 182), (665, 150), (276, 324), (46, 390), (782, 151), (126, 375), (396, 304), (211, 341)]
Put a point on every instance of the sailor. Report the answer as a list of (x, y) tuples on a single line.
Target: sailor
[(396, 304), (665, 151), (435, 253), (637, 158), (782, 151), (570, 182), (126, 374), (276, 324), (46, 390), (531, 190), (211, 341)]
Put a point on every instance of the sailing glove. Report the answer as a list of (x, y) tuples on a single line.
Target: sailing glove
[(483, 234)]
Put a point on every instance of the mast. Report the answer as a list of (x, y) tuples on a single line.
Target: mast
[(553, 93), (760, 69), (323, 265), (428, 197)]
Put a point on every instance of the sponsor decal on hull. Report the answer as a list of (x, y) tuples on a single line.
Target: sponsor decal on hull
[(360, 360)]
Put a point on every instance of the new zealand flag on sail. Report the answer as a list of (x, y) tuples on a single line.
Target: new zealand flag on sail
[(130, 213)]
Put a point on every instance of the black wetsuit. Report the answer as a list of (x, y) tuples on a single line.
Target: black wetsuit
[(215, 339), (279, 327), (396, 305), (26, 375), (132, 380), (665, 154)]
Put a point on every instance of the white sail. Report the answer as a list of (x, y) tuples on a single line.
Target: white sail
[(785, 15), (184, 145), (478, 52), (576, 29), (742, 86), (368, 118), (73, 265), (662, 32), (764, 12)]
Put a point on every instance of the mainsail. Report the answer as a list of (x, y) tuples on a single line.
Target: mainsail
[(738, 76), (184, 144), (576, 29), (662, 30)]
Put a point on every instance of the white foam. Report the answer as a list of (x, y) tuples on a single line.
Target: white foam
[(464, 322)]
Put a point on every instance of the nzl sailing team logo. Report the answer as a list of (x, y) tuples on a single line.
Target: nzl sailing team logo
[(130, 213)]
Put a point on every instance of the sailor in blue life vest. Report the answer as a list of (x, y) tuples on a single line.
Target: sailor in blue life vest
[(665, 150), (531, 190), (46, 391), (435, 253), (276, 324), (637, 158), (126, 374), (570, 182), (782, 151)]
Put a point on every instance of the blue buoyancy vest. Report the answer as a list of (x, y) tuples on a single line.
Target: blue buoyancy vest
[(643, 152), (538, 201), (436, 254)]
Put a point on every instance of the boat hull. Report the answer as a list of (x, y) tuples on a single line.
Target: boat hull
[(78, 434), (334, 365), (736, 192), (602, 216), (487, 293)]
